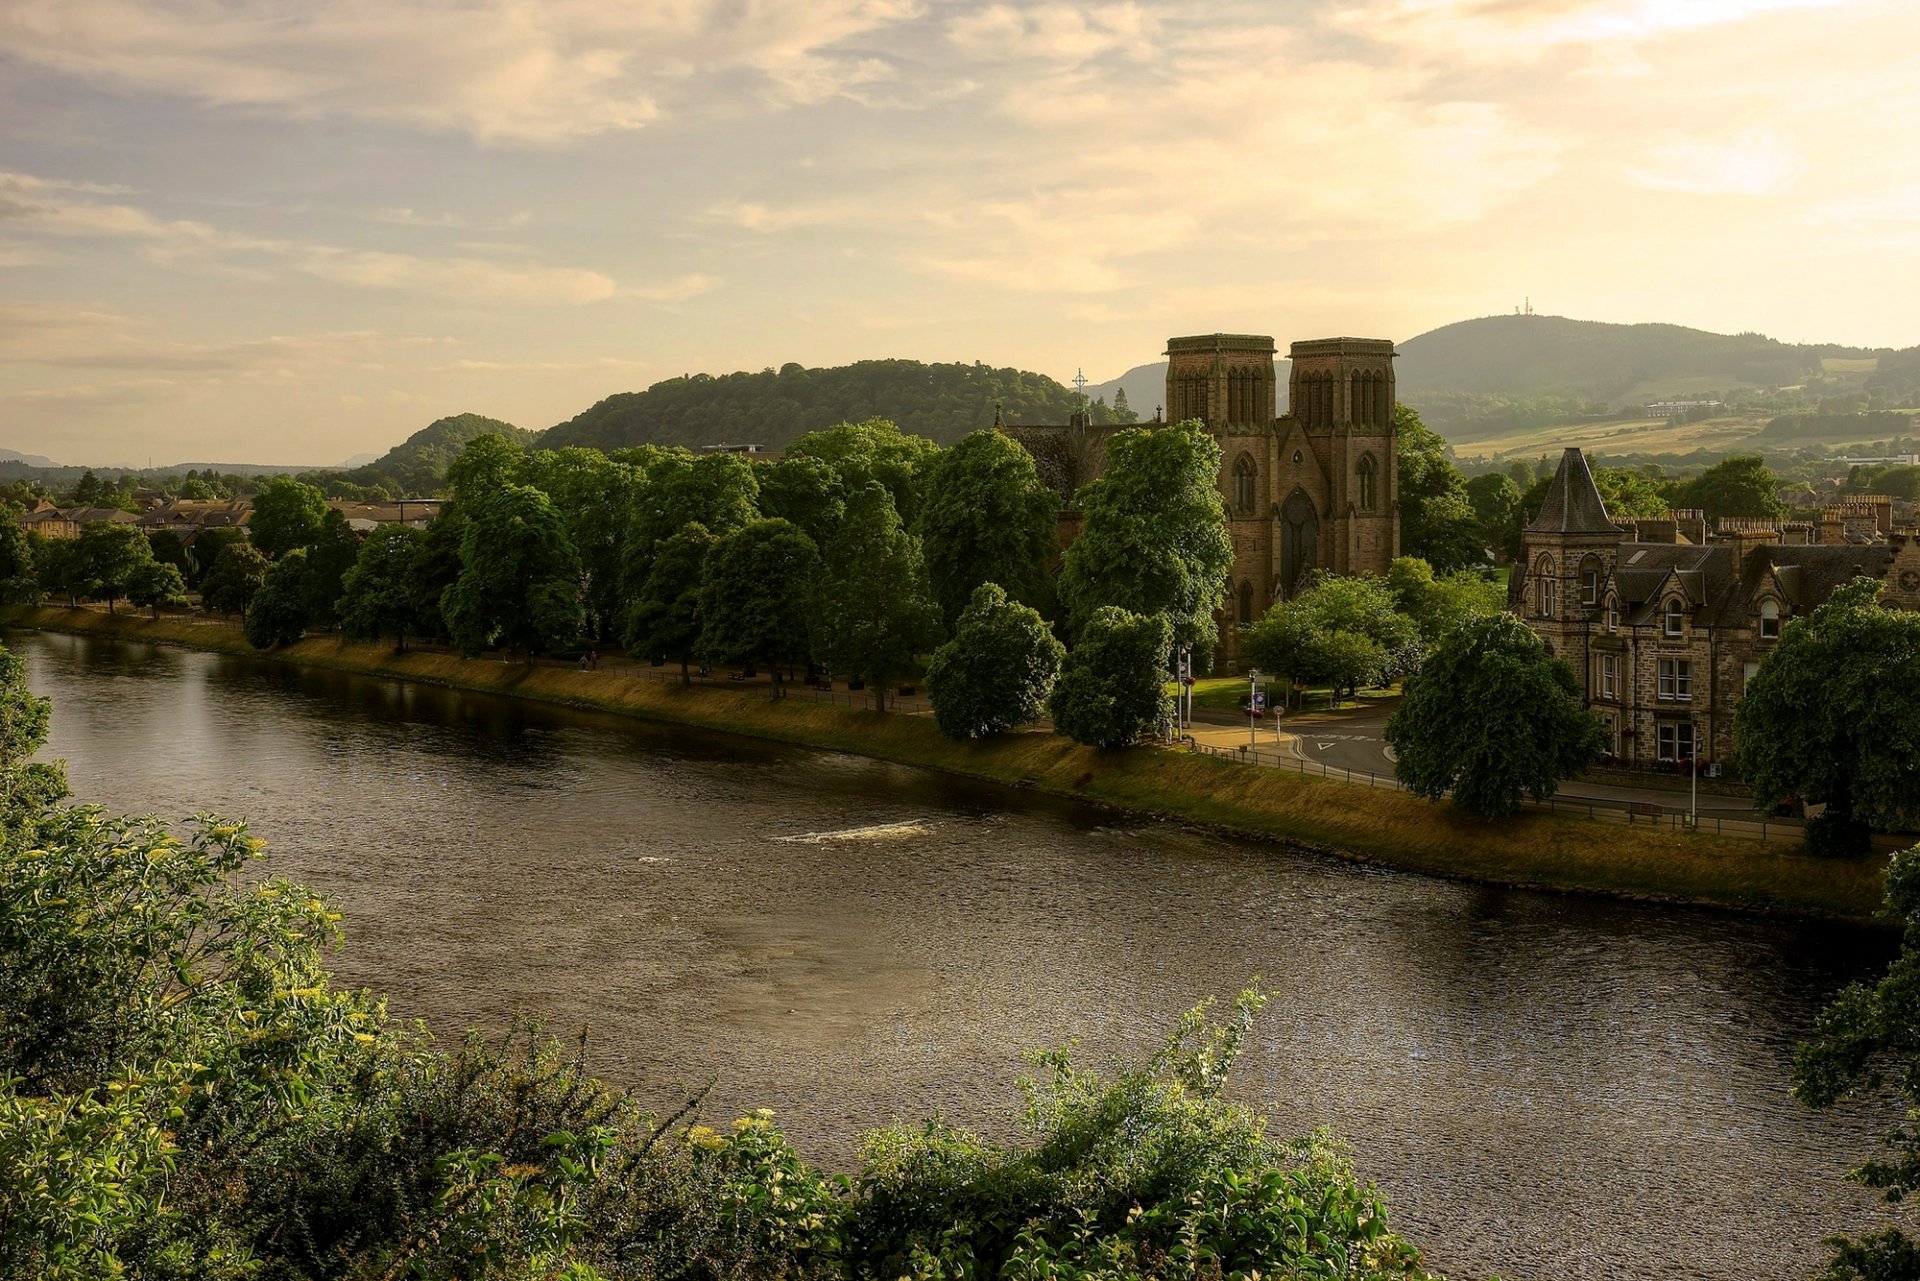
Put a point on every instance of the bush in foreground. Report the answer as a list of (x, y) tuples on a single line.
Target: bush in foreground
[(185, 1094)]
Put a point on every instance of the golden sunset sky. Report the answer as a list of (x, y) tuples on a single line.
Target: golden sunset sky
[(290, 232)]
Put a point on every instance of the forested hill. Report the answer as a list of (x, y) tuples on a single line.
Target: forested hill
[(418, 465), (944, 402), (1555, 356)]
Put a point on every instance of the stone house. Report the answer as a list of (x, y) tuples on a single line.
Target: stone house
[(1663, 624), (1314, 488)]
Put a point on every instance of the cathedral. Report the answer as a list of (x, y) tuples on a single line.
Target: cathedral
[(1314, 488)]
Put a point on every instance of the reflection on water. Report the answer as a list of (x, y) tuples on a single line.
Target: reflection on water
[(1545, 1086)]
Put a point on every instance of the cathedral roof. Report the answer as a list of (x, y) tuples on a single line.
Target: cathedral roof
[(1573, 504)]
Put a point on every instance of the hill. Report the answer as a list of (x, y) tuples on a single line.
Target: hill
[(418, 465), (941, 401)]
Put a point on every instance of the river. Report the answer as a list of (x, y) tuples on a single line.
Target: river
[(1545, 1086)]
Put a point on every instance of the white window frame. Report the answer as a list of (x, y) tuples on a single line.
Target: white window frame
[(1668, 745), (1673, 617), (1769, 624), (1613, 612), (1675, 683), (1609, 676)]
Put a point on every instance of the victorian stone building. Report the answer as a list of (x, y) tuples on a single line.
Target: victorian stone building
[(1312, 489), (1665, 623)]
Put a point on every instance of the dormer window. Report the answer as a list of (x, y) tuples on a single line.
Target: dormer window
[(1769, 620), (1674, 620), (1613, 612)]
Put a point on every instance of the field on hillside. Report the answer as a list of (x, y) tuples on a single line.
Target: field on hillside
[(1616, 436)]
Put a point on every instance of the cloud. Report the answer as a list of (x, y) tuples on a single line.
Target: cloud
[(1757, 163), (35, 205), (75, 336), (677, 290), (499, 70)]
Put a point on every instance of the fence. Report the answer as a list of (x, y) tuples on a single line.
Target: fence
[(1599, 810), (903, 703)]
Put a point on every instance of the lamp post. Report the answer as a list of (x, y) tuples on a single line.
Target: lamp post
[(1253, 690)]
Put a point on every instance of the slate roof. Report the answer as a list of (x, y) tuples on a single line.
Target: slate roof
[(1720, 590), (1573, 504)]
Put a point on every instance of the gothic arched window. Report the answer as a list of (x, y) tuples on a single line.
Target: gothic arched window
[(1543, 578), (1246, 603), (1244, 478), (1368, 475)]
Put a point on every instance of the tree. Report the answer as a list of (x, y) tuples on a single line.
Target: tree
[(998, 670), (1868, 1033), (19, 579), (1491, 718), (1154, 535), (157, 585), (277, 615), (1437, 521), (596, 497), (759, 580), (988, 518), (1738, 486), (376, 596), (872, 610), (286, 515), (169, 550), (230, 585), (206, 549), (873, 450), (111, 555), (60, 564), (805, 490), (1833, 718), (1123, 412), (1438, 605), (485, 465), (335, 550), (664, 618), (719, 491), (1340, 632), (1113, 685), (519, 583)]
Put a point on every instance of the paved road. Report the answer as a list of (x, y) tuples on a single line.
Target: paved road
[(1350, 739)]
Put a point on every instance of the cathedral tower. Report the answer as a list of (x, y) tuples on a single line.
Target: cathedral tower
[(1224, 380)]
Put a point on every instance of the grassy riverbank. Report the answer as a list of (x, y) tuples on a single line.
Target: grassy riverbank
[(1547, 851)]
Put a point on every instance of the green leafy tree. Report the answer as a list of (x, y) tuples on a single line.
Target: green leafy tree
[(998, 670), (872, 610), (277, 615), (206, 549), (519, 583), (485, 465), (286, 515), (1497, 505), (60, 564), (664, 618), (376, 594), (169, 550), (1833, 718), (436, 567), (596, 497), (1491, 718), (1437, 520), (112, 556), (718, 491), (19, 578), (870, 451), (1123, 413), (335, 550), (230, 585), (1869, 1033), (1340, 632), (988, 518), (157, 585), (1112, 687), (806, 491), (753, 604), (1154, 535), (1438, 605), (1739, 486)]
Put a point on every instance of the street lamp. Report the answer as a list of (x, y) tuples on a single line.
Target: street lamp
[(1253, 692)]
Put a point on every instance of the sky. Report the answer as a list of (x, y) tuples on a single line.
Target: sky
[(284, 232)]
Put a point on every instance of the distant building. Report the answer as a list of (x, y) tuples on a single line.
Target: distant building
[(1665, 622), (1677, 408), (1315, 488)]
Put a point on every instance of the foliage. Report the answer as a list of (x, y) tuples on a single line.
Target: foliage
[(1496, 501), (942, 402), (664, 619), (419, 465), (1112, 686), (1740, 486), (1870, 1032), (519, 583), (595, 496), (874, 451), (277, 615), (169, 550), (19, 578), (1833, 715), (1344, 632), (157, 585), (206, 549), (1438, 523), (998, 670), (871, 611), (376, 597), (752, 605), (229, 586), (717, 491), (335, 550), (1154, 537), (1525, 732), (988, 518), (1438, 605), (806, 491), (108, 558), (286, 515)]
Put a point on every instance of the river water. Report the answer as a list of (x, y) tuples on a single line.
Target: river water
[(1545, 1086)]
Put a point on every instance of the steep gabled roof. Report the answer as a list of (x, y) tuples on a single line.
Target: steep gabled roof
[(1573, 504)]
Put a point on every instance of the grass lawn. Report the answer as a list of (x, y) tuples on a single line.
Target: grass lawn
[(1229, 694)]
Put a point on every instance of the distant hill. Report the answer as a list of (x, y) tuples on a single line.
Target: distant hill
[(418, 465), (29, 460), (941, 401)]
